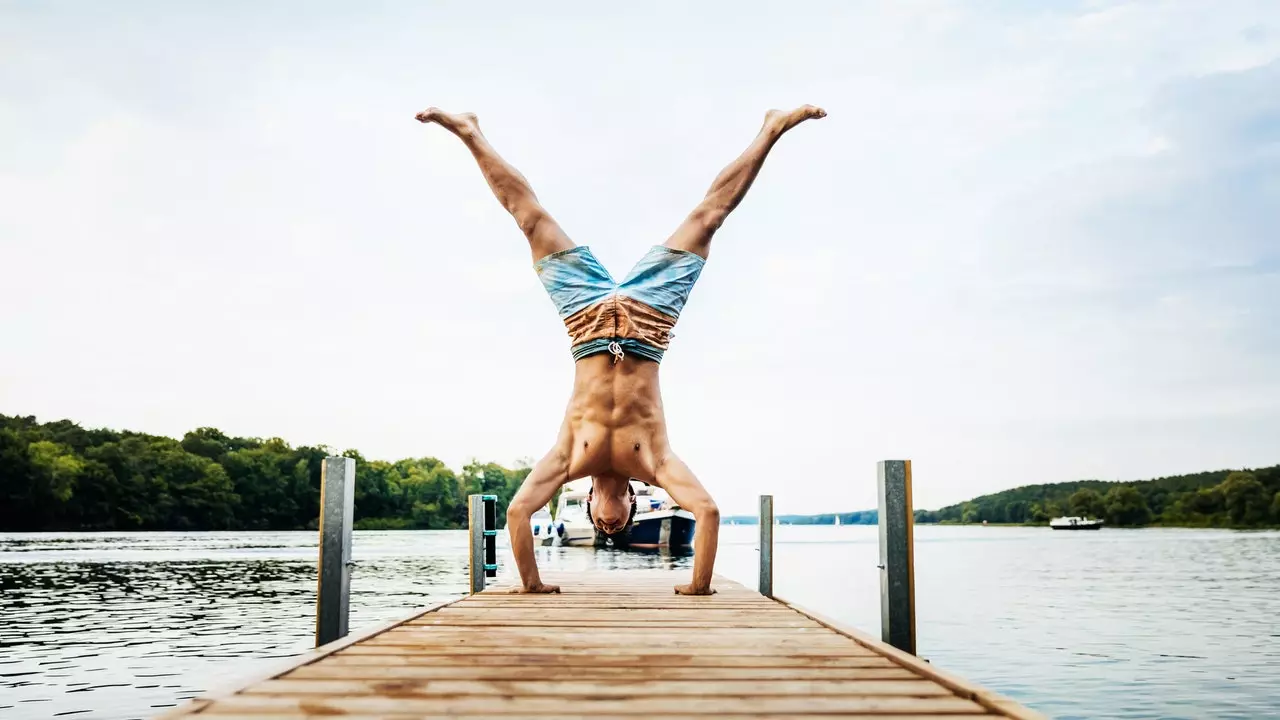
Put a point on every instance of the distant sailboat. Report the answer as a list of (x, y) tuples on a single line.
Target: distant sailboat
[(837, 519)]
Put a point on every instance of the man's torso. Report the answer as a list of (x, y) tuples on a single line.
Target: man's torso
[(614, 423)]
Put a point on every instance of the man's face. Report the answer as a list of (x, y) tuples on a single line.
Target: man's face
[(610, 512)]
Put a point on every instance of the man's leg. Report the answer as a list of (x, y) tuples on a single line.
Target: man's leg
[(511, 188), (679, 481), (551, 472), (694, 234)]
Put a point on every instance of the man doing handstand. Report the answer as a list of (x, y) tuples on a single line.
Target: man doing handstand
[(614, 428)]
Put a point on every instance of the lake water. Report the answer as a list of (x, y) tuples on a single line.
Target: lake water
[(1123, 624)]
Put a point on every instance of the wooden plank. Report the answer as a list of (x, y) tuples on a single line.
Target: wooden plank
[(545, 705), (500, 635), (627, 634), (376, 646), (579, 593), (635, 616), (568, 629), (334, 670), (573, 690), (300, 715), (605, 640), (536, 622), (588, 595), (392, 657), (548, 609), (606, 598)]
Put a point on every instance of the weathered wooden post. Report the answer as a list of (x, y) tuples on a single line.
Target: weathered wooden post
[(337, 507), (897, 560), (766, 545)]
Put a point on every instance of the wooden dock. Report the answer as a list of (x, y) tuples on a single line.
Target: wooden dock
[(616, 644)]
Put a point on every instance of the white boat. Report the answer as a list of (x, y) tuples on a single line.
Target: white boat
[(658, 522), (573, 526), (1074, 523), (545, 530)]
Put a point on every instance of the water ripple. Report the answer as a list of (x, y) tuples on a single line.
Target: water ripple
[(1142, 624)]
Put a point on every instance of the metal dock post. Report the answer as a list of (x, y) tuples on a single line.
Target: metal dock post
[(482, 521), (337, 507), (766, 545), (897, 559)]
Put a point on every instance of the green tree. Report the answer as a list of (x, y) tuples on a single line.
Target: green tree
[(56, 469), (1245, 498), (1125, 506), (1087, 503)]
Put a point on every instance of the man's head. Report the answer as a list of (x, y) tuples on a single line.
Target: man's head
[(611, 504)]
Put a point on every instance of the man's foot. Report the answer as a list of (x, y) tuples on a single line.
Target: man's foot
[(540, 589), (691, 590), (781, 121), (456, 123)]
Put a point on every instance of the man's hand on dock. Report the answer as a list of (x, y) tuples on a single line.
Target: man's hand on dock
[(540, 588), (691, 590)]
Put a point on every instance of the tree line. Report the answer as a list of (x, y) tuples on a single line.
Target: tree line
[(1222, 498), (60, 476)]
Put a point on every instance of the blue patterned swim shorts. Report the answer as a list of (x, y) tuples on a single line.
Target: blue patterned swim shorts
[(634, 316)]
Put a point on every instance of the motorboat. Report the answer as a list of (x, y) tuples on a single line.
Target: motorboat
[(545, 529), (658, 522), (1074, 523), (572, 525)]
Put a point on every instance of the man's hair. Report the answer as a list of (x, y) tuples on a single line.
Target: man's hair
[(626, 529)]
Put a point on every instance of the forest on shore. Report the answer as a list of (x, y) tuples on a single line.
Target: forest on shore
[(60, 476), (1220, 498)]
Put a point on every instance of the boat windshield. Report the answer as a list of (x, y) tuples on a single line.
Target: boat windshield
[(572, 509)]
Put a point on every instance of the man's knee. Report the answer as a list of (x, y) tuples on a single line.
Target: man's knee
[(710, 216), (530, 217)]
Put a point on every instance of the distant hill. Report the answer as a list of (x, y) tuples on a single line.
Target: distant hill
[(1220, 498), (857, 517)]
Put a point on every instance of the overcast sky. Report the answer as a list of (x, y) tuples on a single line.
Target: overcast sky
[(1033, 241)]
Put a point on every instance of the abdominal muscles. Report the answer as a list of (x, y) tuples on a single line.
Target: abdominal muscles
[(615, 418)]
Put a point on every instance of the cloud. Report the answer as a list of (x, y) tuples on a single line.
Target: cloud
[(1032, 242), (1153, 277)]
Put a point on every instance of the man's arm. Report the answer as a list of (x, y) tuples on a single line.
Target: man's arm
[(547, 476), (679, 481)]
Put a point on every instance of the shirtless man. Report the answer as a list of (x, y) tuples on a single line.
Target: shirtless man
[(614, 428)]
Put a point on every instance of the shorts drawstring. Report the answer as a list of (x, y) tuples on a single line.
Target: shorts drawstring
[(616, 349)]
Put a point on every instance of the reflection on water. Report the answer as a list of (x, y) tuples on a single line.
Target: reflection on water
[(1137, 624)]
